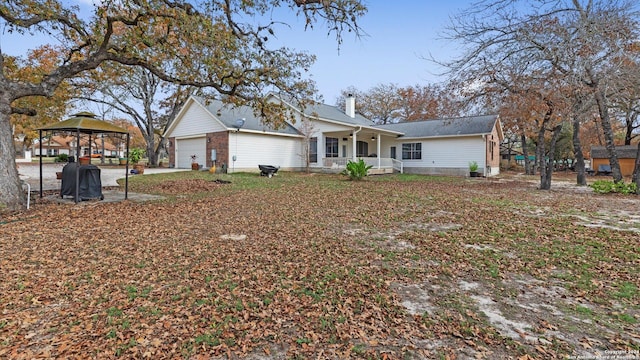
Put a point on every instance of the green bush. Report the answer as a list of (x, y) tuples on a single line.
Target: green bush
[(607, 186), (473, 166), (62, 158), (356, 170)]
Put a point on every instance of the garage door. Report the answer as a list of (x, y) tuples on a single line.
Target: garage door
[(187, 147)]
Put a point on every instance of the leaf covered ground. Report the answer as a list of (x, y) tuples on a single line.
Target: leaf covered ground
[(315, 266)]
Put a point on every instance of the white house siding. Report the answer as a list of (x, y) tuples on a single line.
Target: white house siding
[(258, 149), (445, 156), (321, 130), (195, 121), (187, 147), (189, 131)]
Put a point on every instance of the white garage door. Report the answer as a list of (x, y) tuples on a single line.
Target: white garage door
[(187, 147)]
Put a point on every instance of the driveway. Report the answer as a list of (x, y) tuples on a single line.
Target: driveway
[(30, 173)]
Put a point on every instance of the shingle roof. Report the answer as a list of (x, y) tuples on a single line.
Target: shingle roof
[(623, 152), (228, 114), (334, 113), (471, 125)]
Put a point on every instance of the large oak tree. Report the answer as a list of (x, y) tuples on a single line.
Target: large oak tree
[(585, 42), (204, 44)]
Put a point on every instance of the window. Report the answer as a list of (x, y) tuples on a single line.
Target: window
[(412, 151), (331, 149), (362, 148), (492, 146), (313, 150), (393, 152)]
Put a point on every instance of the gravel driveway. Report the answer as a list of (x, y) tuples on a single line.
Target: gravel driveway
[(30, 173)]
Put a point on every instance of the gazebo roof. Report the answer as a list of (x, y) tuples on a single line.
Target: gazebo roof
[(85, 123)]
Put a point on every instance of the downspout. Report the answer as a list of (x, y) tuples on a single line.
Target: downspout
[(354, 142)]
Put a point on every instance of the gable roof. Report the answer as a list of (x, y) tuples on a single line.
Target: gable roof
[(227, 115), (332, 113), (462, 126), (623, 152)]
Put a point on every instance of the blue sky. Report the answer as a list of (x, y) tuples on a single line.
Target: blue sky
[(400, 35)]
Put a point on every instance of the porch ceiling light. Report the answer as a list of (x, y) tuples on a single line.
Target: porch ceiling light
[(373, 138)]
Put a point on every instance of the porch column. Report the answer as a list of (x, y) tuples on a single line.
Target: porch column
[(378, 150), (353, 133)]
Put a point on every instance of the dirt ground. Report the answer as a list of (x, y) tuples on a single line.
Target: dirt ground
[(313, 266)]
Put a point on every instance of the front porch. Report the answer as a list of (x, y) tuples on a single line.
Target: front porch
[(380, 165), (352, 144)]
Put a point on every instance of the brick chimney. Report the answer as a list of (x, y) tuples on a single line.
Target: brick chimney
[(350, 106)]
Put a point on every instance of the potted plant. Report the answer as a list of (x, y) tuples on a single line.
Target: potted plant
[(194, 162), (473, 169), (135, 155)]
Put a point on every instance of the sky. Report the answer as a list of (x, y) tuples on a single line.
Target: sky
[(400, 36)]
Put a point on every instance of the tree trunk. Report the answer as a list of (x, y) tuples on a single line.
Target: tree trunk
[(540, 159), (581, 178), (152, 155), (548, 169), (12, 197), (603, 111), (525, 153)]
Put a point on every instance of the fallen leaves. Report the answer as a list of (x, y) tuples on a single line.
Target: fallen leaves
[(305, 267)]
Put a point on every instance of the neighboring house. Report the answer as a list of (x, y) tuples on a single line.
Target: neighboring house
[(626, 158), (210, 131), (57, 145), (53, 146)]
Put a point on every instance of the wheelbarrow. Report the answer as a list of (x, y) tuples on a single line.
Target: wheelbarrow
[(268, 170)]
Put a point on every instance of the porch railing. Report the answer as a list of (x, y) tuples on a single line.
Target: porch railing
[(341, 162), (398, 165)]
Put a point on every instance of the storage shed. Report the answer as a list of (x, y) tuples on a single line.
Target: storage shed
[(626, 157)]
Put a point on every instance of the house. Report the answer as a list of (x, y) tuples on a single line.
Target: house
[(626, 158), (53, 146), (57, 145), (447, 146), (236, 139)]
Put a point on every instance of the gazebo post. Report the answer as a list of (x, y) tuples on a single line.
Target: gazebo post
[(77, 166), (40, 134), (126, 175)]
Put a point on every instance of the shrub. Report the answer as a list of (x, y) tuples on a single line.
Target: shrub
[(356, 170), (607, 186), (473, 166), (62, 158)]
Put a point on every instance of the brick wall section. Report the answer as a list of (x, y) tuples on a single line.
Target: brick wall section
[(172, 152), (220, 142)]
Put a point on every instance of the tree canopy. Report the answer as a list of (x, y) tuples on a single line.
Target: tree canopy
[(218, 44), (580, 50)]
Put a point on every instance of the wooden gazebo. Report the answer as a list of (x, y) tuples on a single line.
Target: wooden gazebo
[(85, 123)]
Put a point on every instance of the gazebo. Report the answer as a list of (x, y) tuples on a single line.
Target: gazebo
[(85, 123)]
